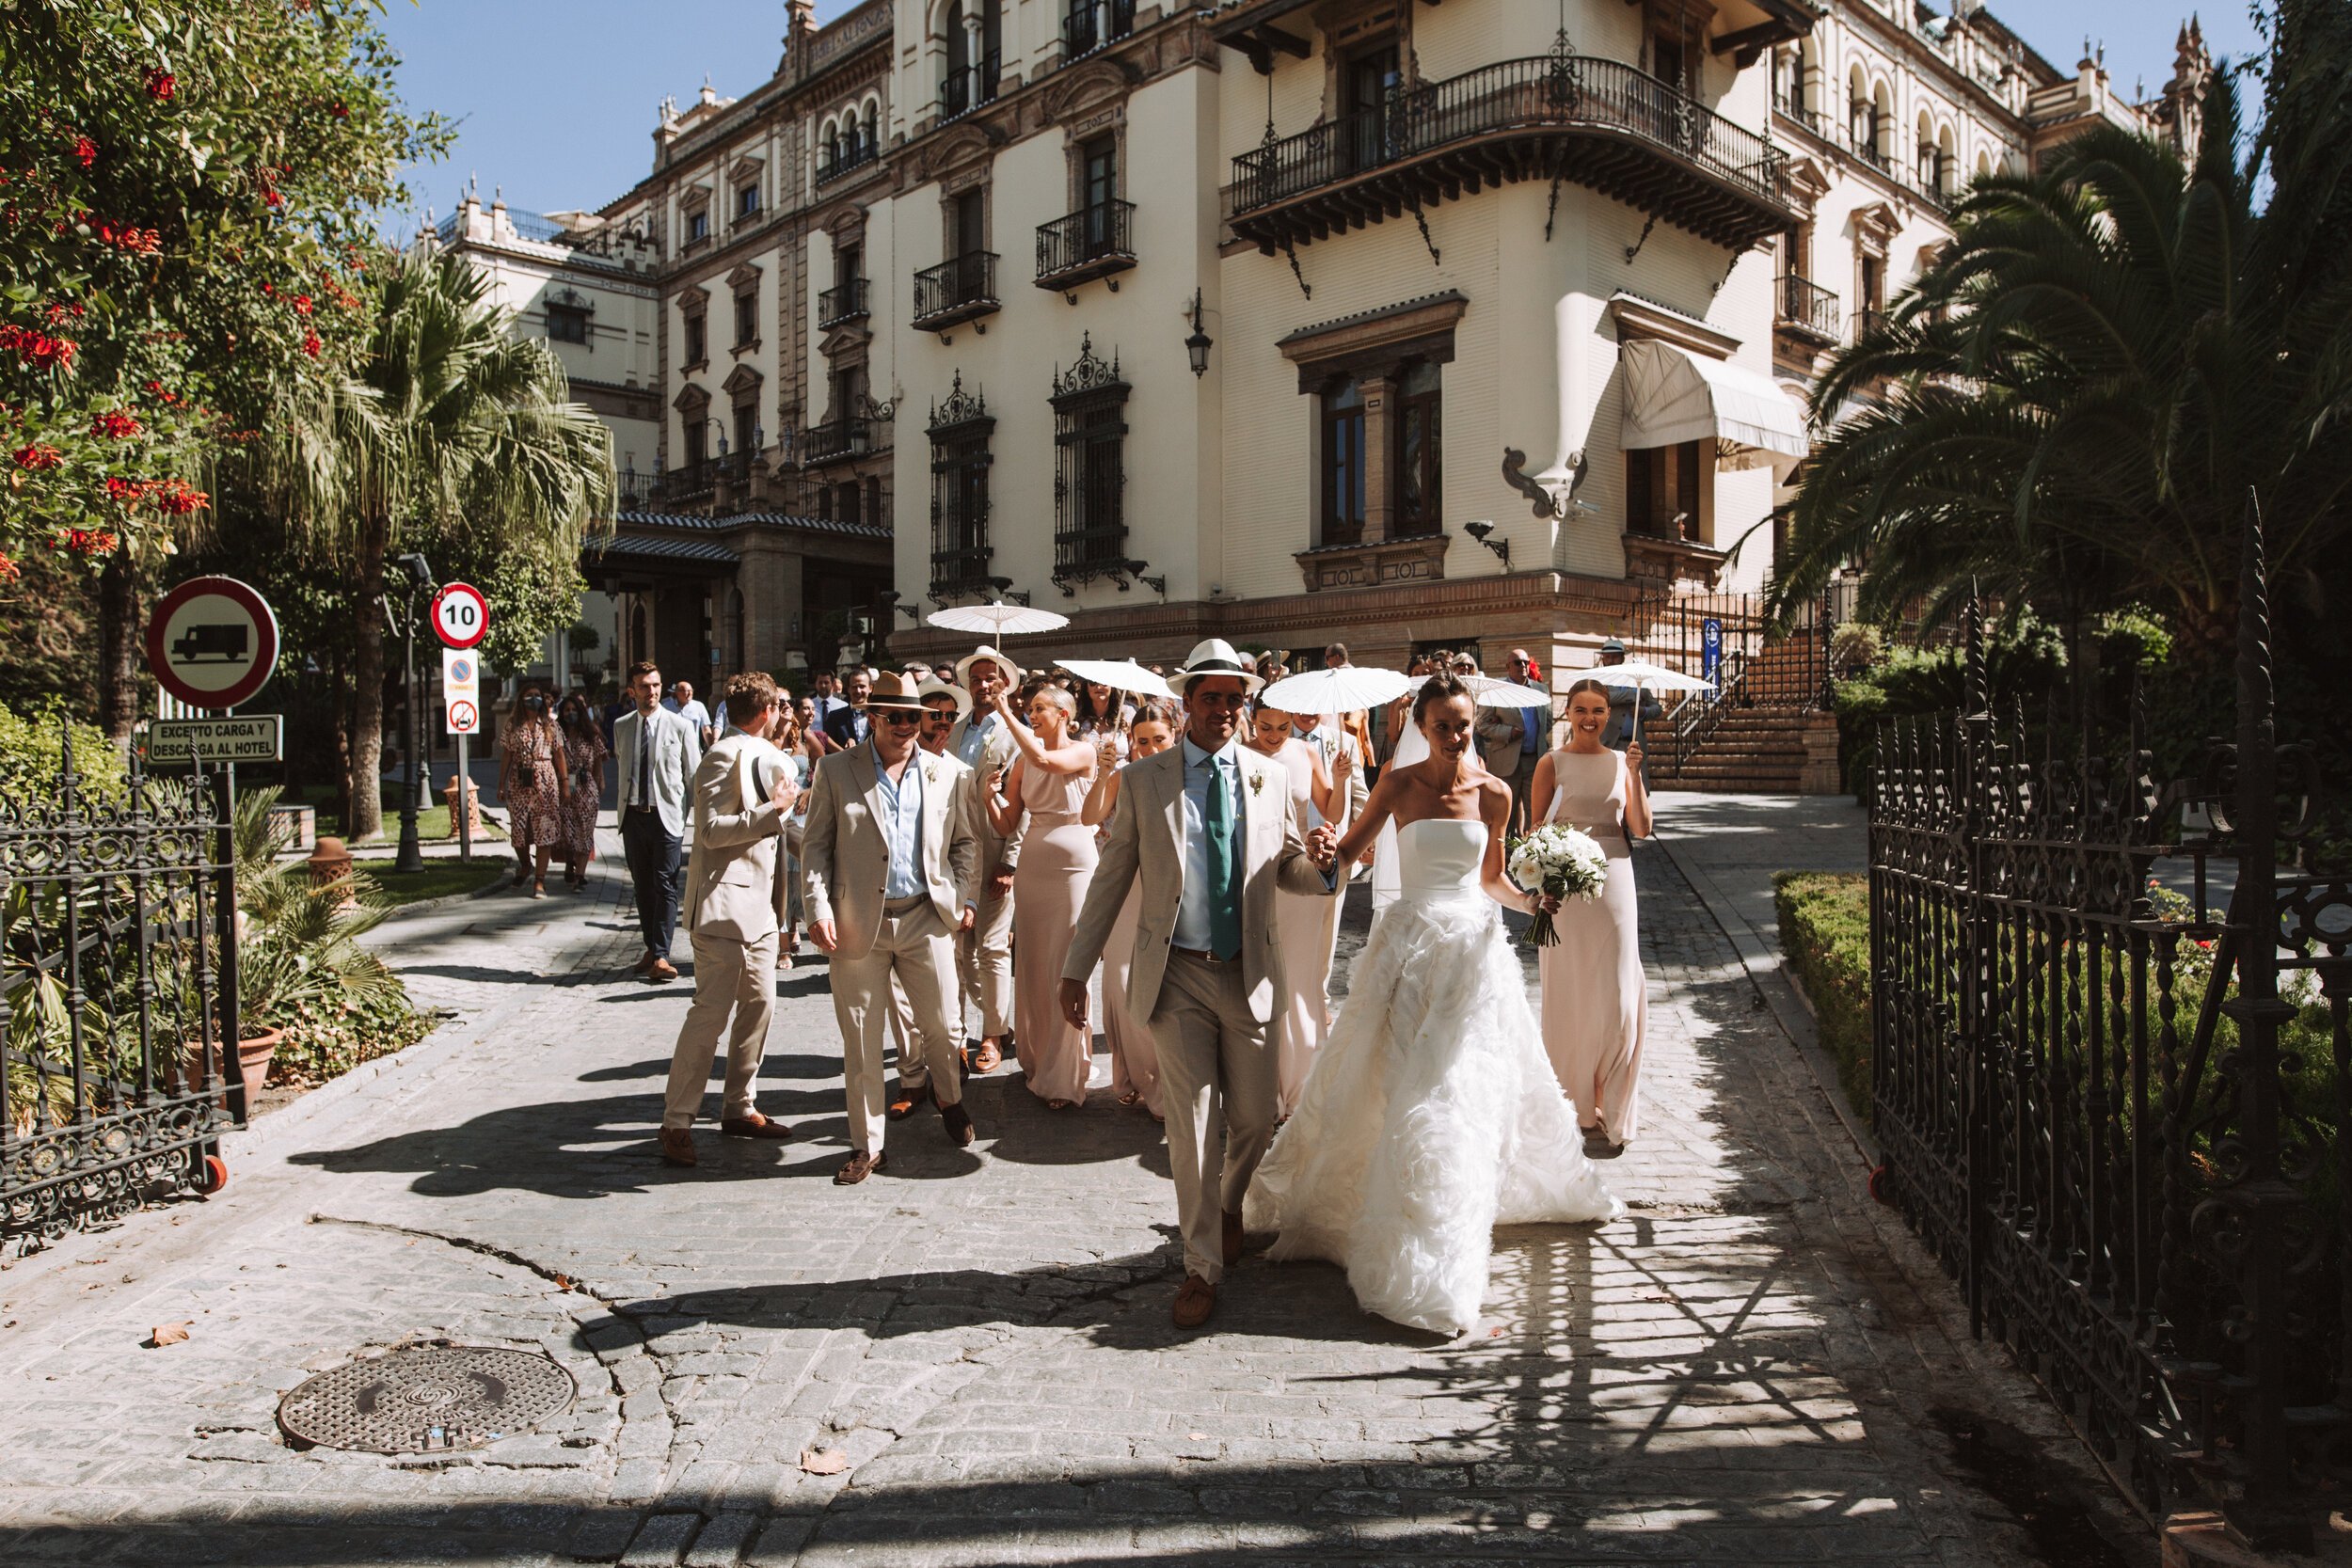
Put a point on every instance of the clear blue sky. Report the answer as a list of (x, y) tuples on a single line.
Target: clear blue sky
[(557, 97)]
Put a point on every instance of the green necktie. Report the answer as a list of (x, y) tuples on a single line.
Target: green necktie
[(1224, 865)]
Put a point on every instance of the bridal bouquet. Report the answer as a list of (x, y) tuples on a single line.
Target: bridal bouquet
[(1564, 864)]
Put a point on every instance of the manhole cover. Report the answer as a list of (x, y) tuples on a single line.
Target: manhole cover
[(427, 1398)]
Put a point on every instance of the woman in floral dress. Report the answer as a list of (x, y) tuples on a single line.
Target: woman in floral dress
[(583, 763), (532, 787)]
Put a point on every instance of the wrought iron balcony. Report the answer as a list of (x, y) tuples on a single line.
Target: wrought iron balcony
[(1807, 308), (1093, 242), (964, 90), (956, 290), (844, 302), (1867, 322), (636, 491), (1088, 24), (853, 153), (1599, 122), (959, 572), (836, 440), (692, 483)]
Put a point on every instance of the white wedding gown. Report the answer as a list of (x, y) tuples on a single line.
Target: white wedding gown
[(1432, 1114)]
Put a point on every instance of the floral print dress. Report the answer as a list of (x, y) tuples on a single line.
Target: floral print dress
[(533, 800), (584, 755)]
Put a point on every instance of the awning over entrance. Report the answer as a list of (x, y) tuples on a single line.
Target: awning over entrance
[(1672, 396)]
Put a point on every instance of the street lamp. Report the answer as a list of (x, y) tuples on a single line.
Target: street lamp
[(411, 856), (1196, 346)]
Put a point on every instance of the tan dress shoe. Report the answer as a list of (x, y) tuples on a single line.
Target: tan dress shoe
[(662, 969), (678, 1147), (1195, 1298), (859, 1166)]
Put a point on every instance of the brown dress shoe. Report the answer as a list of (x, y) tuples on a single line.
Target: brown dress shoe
[(662, 969), (903, 1103), (644, 963), (1195, 1298), (958, 1124), (678, 1147), (755, 1126), (859, 1168), (1233, 1239), (988, 1058)]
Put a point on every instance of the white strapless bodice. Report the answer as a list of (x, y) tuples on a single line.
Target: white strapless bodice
[(1439, 856)]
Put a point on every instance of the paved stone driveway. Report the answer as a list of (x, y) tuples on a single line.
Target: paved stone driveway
[(1741, 1371)]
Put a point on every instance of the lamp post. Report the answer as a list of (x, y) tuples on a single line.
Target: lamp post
[(411, 856), (1197, 345)]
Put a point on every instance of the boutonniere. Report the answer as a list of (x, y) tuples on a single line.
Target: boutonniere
[(1257, 782), (931, 774)]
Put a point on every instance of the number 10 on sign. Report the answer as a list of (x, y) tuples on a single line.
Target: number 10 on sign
[(460, 614)]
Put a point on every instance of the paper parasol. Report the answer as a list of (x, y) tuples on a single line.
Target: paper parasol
[(1342, 691), (1490, 693), (1119, 674), (994, 621), (1642, 675)]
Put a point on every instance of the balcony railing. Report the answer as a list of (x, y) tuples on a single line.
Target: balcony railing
[(845, 301), (1088, 24), (965, 88), (1640, 139), (957, 290), (956, 572), (1806, 307), (836, 439), (692, 483), (853, 153), (637, 491), (1090, 242), (1867, 322)]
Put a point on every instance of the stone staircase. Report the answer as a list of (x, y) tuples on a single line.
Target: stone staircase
[(1756, 742)]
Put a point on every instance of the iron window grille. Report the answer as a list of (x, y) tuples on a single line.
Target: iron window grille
[(1088, 24), (955, 290), (961, 426), (1090, 470)]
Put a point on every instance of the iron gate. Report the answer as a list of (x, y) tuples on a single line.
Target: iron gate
[(2097, 1106), (116, 1073)]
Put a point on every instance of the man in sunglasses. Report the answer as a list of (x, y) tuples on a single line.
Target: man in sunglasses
[(885, 888)]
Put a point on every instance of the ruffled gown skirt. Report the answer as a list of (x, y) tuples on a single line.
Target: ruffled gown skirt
[(1431, 1117)]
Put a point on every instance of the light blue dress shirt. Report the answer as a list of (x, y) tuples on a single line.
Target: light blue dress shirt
[(902, 827), (1200, 770), (975, 742)]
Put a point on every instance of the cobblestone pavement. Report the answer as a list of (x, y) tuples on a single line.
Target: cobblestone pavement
[(1754, 1367)]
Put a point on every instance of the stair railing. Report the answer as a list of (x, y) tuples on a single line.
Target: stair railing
[(1695, 717)]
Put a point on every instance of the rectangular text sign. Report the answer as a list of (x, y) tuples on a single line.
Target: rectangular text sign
[(247, 737)]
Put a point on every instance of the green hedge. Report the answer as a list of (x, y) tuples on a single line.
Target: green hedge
[(1825, 933), (32, 745)]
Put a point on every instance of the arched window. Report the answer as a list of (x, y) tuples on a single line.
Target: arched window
[(1882, 127), (872, 128), (1861, 125), (975, 43)]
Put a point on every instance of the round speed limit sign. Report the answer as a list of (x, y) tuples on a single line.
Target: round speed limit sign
[(461, 614)]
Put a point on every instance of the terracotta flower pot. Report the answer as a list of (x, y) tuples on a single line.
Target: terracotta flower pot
[(253, 1059)]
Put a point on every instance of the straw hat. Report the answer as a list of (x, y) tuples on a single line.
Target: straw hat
[(894, 691), (1012, 673), (933, 687), (1213, 655)]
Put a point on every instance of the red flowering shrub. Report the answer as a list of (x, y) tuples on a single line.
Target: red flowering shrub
[(10, 571), (87, 541), (85, 150), (311, 344), (35, 456), (302, 304), (160, 84), (115, 424)]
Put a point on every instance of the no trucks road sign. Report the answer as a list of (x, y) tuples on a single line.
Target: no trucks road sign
[(212, 642)]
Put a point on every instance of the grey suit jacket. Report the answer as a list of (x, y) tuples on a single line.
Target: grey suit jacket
[(731, 885), (677, 750), (845, 859), (1147, 843)]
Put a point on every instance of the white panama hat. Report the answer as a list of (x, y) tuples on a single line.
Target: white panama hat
[(1013, 672), (933, 687), (1213, 655)]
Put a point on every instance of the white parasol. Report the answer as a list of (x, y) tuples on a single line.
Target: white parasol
[(1342, 691), (1119, 674), (1642, 675), (1490, 693), (996, 619)]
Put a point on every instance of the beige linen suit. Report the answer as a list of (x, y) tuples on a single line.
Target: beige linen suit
[(844, 863), (984, 954), (734, 905), (1210, 1020)]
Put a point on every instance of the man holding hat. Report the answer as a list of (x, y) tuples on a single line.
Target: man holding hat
[(1208, 831), (887, 862), (981, 742)]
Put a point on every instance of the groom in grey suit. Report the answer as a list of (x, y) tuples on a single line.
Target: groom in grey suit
[(1208, 829)]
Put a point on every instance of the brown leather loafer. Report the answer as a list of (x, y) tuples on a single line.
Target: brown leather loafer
[(902, 1104), (678, 1147), (662, 969), (859, 1168), (1233, 1239), (988, 1058), (1195, 1298), (957, 1122), (755, 1126), (644, 963)]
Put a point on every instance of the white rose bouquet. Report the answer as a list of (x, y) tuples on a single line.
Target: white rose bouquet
[(1559, 861)]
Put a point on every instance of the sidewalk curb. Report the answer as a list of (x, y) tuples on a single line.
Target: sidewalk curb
[(1786, 999)]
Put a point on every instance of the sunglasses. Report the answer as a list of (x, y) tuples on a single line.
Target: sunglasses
[(898, 716)]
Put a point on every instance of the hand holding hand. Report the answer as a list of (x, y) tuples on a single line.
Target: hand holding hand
[(1322, 846), (1073, 997), (821, 932)]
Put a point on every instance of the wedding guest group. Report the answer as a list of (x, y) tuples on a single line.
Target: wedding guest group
[(975, 850)]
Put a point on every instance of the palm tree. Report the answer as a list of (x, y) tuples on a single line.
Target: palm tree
[(2070, 407), (453, 422)]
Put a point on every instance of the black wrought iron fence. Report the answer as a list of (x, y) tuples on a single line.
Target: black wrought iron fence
[(117, 967), (2119, 1117)]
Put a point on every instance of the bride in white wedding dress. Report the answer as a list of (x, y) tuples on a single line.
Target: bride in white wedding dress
[(1432, 1114)]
